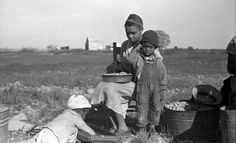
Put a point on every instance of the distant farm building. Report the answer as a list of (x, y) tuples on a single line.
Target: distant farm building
[(65, 48), (94, 44), (52, 47), (108, 47)]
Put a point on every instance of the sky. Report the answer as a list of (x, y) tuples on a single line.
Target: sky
[(203, 24)]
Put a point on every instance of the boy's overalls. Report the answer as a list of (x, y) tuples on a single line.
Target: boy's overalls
[(148, 96)]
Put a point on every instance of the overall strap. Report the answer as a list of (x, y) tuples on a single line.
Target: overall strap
[(150, 72)]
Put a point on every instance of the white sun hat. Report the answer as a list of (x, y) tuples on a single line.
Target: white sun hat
[(78, 101)]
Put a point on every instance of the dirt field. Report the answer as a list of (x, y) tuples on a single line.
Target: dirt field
[(26, 75)]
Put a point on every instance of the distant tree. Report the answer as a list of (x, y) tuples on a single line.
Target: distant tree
[(176, 47), (87, 44), (190, 48), (28, 50), (164, 39)]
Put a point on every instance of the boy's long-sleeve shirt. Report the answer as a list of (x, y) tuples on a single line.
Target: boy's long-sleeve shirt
[(66, 125)]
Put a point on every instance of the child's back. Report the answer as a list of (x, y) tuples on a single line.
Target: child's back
[(64, 127)]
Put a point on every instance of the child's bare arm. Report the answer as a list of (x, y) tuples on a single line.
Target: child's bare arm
[(80, 123)]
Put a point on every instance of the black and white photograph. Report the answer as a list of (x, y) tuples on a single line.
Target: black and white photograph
[(117, 71)]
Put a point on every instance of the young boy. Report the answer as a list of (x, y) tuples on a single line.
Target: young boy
[(151, 83), (64, 128), (228, 89)]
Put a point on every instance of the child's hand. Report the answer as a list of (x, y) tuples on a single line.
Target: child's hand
[(164, 97), (92, 132), (118, 57)]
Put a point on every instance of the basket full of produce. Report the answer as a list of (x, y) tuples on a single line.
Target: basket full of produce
[(192, 121), (121, 77)]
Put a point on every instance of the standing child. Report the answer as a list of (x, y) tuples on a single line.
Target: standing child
[(228, 89), (64, 128), (151, 83)]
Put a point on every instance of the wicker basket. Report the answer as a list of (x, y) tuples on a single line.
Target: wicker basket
[(120, 78)]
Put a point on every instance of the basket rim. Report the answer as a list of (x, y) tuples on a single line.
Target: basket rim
[(122, 78), (117, 75)]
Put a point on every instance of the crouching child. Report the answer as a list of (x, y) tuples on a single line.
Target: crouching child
[(64, 128)]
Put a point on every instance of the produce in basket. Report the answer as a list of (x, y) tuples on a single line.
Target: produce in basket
[(121, 77), (187, 106), (120, 73)]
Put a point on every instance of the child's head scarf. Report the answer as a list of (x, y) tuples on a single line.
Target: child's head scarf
[(134, 19)]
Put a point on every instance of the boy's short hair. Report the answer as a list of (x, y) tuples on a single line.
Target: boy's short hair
[(134, 19), (151, 37)]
